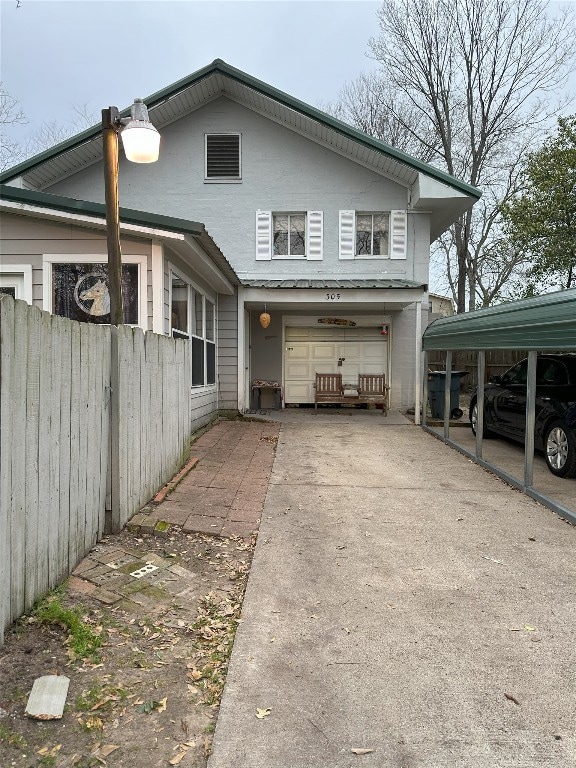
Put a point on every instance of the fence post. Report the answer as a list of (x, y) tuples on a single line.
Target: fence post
[(113, 517)]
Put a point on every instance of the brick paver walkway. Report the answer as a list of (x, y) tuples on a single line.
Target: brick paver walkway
[(224, 494)]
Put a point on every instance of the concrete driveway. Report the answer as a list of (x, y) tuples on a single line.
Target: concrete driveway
[(509, 456), (402, 601)]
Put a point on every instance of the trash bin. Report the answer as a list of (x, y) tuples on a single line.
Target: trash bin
[(436, 387)]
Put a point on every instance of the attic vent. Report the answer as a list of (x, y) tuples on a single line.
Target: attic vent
[(223, 156)]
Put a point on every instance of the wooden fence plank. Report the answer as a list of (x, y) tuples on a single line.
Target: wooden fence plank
[(65, 513), (33, 522), (104, 428), (92, 428), (44, 449), (84, 537), (76, 529), (18, 451), (53, 528), (6, 363)]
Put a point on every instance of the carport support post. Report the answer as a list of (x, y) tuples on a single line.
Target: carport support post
[(447, 393), (530, 419), (425, 390), (480, 402)]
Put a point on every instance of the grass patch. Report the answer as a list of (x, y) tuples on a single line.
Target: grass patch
[(11, 739), (83, 641)]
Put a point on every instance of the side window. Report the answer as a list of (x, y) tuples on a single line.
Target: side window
[(516, 375), (179, 308), (16, 281), (551, 372), (223, 157), (193, 317)]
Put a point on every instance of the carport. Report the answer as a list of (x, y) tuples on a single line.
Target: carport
[(542, 324)]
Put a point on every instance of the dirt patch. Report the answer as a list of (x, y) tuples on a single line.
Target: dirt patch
[(149, 695)]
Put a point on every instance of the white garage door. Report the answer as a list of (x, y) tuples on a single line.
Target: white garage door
[(348, 351)]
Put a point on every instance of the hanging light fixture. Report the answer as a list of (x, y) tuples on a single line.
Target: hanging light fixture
[(265, 318)]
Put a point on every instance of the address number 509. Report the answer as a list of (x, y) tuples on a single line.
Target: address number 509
[(332, 296)]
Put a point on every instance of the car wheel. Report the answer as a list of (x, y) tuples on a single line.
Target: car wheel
[(474, 421), (560, 450)]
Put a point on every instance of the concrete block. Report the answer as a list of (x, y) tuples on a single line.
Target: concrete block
[(48, 697)]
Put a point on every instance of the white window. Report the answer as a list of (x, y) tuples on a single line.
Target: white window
[(193, 316), (289, 235), (372, 235), (76, 287), (16, 281), (223, 157)]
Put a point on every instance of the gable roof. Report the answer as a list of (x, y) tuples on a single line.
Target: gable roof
[(221, 79), (175, 232)]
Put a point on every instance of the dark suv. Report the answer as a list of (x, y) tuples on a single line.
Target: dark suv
[(555, 430)]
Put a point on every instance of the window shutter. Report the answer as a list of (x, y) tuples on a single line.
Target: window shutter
[(347, 234), (263, 235), (399, 232), (315, 236)]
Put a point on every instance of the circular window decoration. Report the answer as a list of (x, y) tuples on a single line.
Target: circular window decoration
[(91, 295)]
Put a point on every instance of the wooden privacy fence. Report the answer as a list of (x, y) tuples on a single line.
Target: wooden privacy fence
[(497, 361), (93, 420)]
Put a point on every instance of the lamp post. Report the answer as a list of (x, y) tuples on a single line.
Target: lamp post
[(141, 143)]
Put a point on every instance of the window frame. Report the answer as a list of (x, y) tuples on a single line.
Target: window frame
[(223, 179), (206, 299), (22, 283), (363, 256), (49, 259), (300, 256)]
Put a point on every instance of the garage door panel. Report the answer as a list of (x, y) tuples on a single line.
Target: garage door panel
[(363, 350), (323, 351), (298, 370), (298, 392), (297, 352)]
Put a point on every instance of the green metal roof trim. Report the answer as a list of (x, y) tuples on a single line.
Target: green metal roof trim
[(546, 322), (127, 215), (267, 90), (332, 284)]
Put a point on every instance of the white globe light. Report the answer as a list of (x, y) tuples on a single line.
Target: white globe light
[(141, 142)]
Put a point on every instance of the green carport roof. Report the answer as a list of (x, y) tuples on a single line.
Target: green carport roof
[(546, 322)]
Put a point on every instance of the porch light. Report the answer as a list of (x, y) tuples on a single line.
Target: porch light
[(140, 138), (265, 319), (141, 143)]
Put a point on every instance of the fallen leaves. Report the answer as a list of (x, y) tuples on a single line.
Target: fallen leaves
[(49, 752), (262, 713)]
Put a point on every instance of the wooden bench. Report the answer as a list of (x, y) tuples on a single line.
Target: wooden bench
[(371, 389), (329, 389)]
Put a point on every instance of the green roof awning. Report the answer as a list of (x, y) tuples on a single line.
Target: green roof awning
[(546, 322)]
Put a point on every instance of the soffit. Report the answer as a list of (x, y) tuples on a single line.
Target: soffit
[(86, 148)]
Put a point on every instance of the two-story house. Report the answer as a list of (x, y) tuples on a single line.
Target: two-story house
[(326, 229)]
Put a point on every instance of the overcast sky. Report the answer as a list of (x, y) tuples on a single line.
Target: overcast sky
[(61, 54), (56, 54)]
